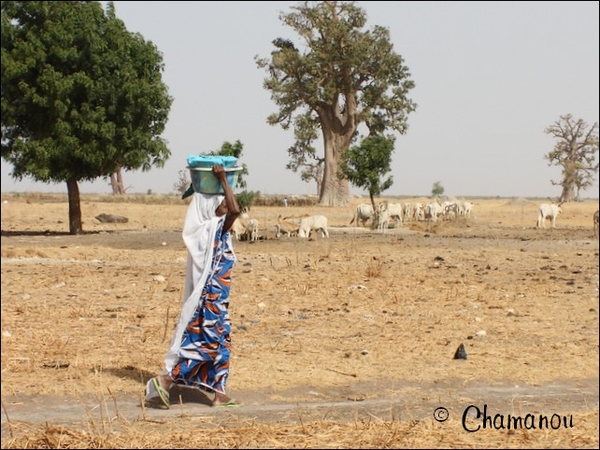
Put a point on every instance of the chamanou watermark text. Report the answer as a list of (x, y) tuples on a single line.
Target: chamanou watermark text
[(475, 419)]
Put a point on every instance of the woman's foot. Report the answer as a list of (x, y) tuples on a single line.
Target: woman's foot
[(223, 400), (157, 391), (165, 381)]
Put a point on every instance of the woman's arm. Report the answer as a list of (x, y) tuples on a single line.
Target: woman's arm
[(230, 205)]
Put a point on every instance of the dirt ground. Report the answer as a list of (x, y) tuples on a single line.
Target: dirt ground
[(339, 342)]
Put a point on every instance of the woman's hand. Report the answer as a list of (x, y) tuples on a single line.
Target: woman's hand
[(220, 173)]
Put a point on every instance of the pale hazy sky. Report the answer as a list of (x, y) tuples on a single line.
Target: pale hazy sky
[(490, 77)]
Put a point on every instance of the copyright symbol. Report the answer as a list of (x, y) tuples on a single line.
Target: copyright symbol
[(441, 414)]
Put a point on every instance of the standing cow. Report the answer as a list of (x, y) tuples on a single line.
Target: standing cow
[(406, 212), (382, 219), (394, 211), (548, 211), (308, 224), (363, 213)]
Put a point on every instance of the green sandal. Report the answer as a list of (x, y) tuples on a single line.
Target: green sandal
[(230, 404), (156, 395)]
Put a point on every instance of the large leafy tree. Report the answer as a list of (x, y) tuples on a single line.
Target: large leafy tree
[(575, 152), (344, 76), (82, 97), (366, 164)]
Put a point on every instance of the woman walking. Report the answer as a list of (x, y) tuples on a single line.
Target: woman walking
[(201, 345)]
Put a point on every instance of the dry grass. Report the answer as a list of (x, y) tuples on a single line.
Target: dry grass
[(360, 316), (189, 432)]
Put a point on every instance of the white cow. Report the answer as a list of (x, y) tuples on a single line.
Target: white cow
[(451, 210), (382, 220), (406, 212), (419, 212), (307, 224), (394, 211), (287, 227), (363, 213), (432, 211), (548, 211), (466, 209), (238, 229), (252, 230), (245, 229)]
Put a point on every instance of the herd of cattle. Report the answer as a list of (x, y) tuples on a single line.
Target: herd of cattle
[(247, 229), (380, 218), (385, 213)]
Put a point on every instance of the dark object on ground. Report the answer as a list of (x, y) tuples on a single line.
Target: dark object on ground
[(111, 218), (460, 353)]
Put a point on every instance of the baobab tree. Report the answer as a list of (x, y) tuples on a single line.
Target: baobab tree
[(342, 76), (575, 152)]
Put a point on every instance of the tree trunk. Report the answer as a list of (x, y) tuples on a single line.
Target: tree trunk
[(116, 182), (568, 193), (333, 191), (569, 184), (75, 224)]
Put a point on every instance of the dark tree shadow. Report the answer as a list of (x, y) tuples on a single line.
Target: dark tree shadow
[(50, 233)]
